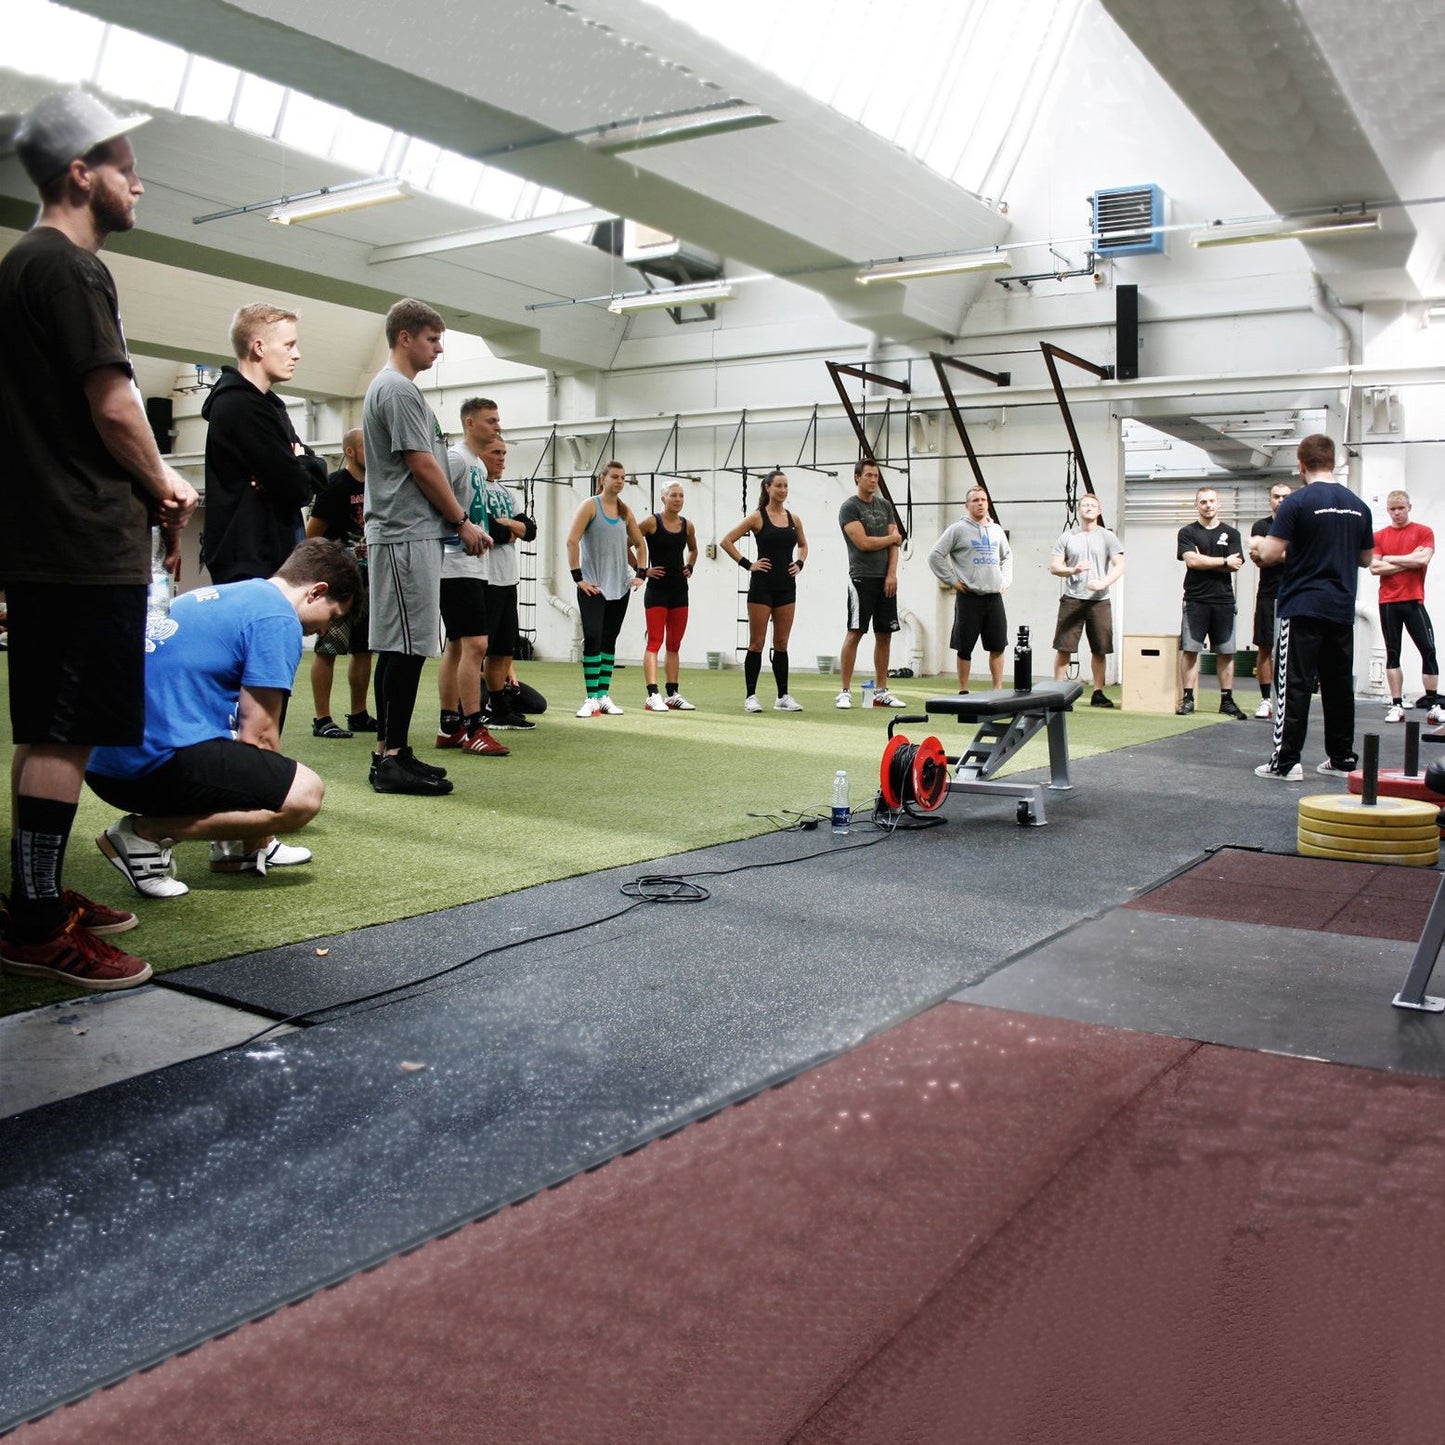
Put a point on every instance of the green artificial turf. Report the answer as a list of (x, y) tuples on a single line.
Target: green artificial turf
[(575, 796)]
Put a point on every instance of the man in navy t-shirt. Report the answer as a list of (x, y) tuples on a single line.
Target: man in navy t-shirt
[(208, 767), (1324, 535)]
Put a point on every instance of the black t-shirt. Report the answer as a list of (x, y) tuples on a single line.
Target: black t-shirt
[(1268, 576), (1327, 527), (341, 506), (1209, 584), (69, 512)]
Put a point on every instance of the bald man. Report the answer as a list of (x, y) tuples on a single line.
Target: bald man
[(338, 513)]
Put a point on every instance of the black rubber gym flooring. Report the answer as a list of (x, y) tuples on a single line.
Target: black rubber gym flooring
[(158, 1212)]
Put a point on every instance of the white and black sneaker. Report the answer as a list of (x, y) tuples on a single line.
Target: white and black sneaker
[(231, 857), (507, 722), (148, 867)]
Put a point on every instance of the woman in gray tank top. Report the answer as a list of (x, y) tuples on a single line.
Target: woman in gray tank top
[(597, 545)]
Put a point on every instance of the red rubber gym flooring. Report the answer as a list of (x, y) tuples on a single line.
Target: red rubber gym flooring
[(978, 1226)]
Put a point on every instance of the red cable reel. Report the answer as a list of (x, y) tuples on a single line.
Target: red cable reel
[(913, 773)]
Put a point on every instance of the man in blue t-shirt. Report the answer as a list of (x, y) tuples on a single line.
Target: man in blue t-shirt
[(1324, 535), (217, 676)]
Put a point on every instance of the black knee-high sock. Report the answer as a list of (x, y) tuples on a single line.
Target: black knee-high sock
[(42, 828), (780, 671), (752, 670), (403, 676)]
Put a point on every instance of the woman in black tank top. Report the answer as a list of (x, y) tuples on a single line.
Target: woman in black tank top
[(671, 554), (772, 586)]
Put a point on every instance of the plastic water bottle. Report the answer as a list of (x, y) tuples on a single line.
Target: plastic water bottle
[(158, 594), (842, 808), (868, 693)]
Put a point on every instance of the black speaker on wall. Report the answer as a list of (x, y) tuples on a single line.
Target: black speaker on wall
[(160, 414), (1126, 332)]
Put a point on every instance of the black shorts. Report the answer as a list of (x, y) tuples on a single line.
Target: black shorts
[(77, 663), (978, 615), (464, 607), (772, 591), (350, 637), (1211, 622), (1264, 628), (665, 592), (867, 604), (218, 776), (501, 620)]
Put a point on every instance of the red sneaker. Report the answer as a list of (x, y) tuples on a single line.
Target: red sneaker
[(96, 917), (479, 740), (457, 739), (74, 956)]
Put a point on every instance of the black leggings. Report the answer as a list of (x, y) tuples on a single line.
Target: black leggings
[(398, 675), (1411, 617), (602, 619)]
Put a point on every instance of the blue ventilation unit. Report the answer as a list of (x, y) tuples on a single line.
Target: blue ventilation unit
[(1123, 218)]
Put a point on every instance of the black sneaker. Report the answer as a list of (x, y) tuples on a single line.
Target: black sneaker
[(1185, 708), (1230, 708), (507, 722), (323, 727), (1100, 699), (394, 776), (409, 759), (361, 722)]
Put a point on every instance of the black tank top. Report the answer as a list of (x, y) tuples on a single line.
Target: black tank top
[(776, 544), (666, 549)]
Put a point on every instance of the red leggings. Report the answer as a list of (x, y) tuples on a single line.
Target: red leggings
[(671, 621)]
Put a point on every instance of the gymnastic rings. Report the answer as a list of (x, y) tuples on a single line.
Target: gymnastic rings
[(913, 773)]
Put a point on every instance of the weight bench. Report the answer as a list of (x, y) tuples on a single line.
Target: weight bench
[(1006, 721)]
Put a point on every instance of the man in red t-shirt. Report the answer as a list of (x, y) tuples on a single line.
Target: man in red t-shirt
[(1402, 553)]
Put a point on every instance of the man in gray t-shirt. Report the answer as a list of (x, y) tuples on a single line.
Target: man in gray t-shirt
[(1090, 559), (410, 508), (870, 529)]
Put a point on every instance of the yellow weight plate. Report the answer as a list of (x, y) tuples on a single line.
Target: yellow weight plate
[(1390, 848), (1412, 839), (1347, 808), (1349, 855)]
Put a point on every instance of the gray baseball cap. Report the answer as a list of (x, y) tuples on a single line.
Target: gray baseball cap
[(62, 127)]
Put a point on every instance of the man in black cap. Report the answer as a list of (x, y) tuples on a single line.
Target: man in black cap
[(83, 484)]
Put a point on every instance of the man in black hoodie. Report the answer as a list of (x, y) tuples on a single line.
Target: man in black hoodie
[(258, 474)]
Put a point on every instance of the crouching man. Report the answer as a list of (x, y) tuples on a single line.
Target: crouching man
[(209, 766)]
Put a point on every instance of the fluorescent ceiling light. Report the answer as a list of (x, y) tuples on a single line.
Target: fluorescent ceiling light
[(633, 135), (1321, 230), (333, 200), (942, 266), (702, 294)]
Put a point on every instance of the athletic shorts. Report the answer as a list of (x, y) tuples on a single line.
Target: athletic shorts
[(464, 607), (665, 592), (867, 605), (978, 616), (501, 619), (405, 581), (351, 636), (1080, 616), (772, 591), (1264, 623), (218, 776), (77, 663), (1211, 620)]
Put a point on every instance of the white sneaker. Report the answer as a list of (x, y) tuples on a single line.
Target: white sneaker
[(1265, 708), (590, 708), (884, 698), (1435, 716), (787, 703), (1295, 775), (228, 857), (605, 704), (844, 699), (678, 703), (752, 704), (1395, 714), (654, 703), (1329, 769), (148, 867)]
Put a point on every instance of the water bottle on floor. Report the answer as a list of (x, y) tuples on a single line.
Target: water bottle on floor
[(842, 808), (868, 693)]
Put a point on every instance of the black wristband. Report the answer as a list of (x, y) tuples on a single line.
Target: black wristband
[(745, 564), (460, 523), (576, 574), (641, 573), (799, 564)]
